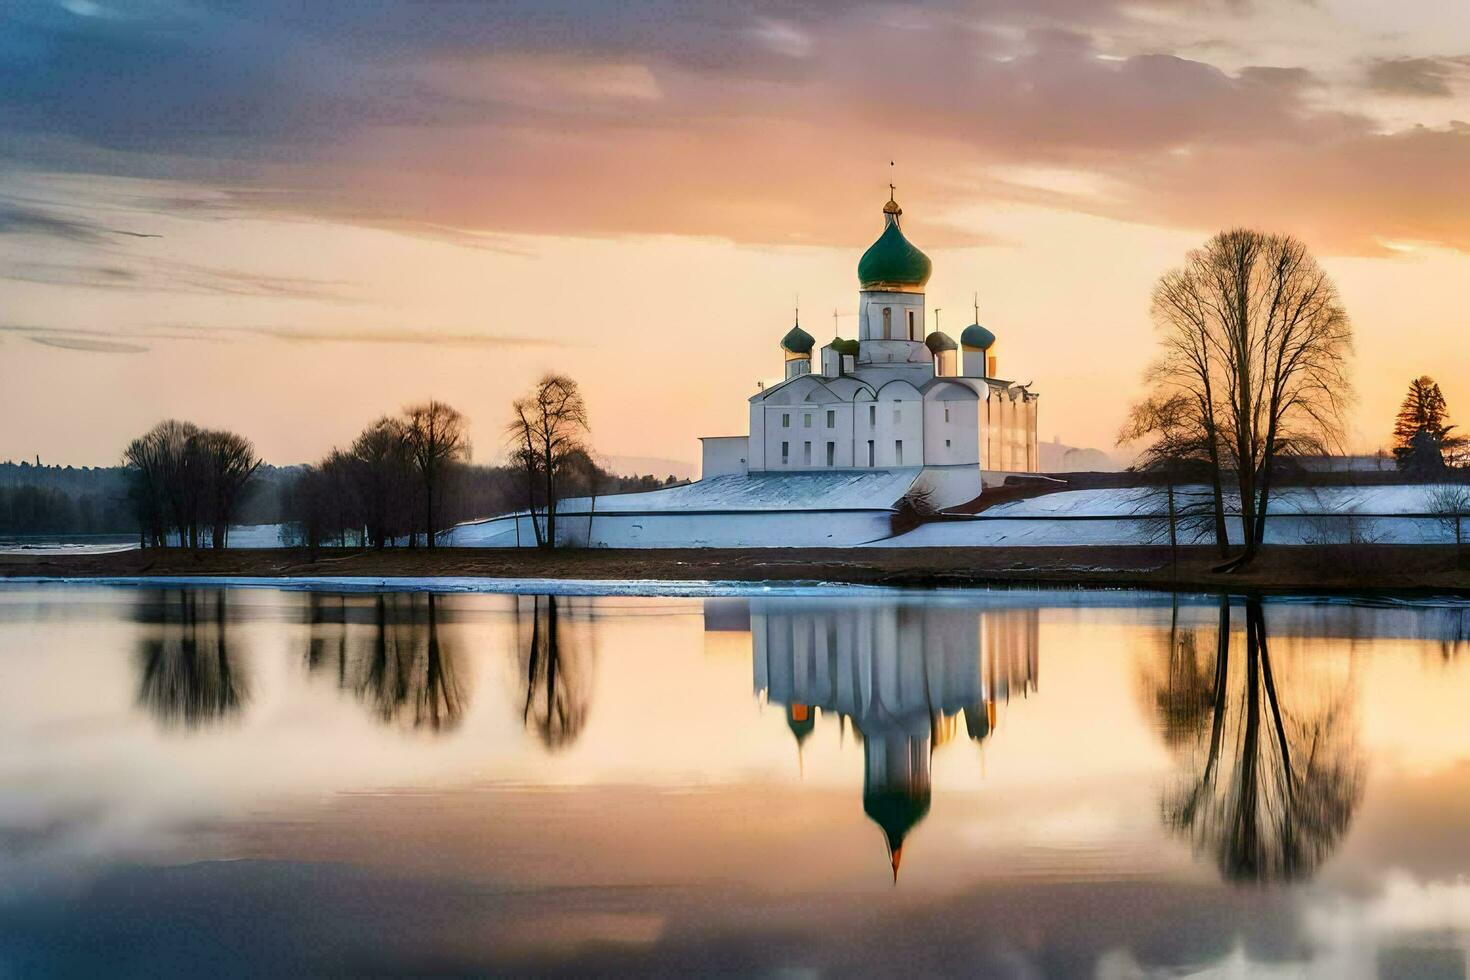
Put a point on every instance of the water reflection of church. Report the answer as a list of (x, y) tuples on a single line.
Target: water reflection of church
[(901, 677)]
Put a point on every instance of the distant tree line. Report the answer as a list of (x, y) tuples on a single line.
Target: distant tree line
[(86, 500), (407, 477), (187, 483), (33, 509)]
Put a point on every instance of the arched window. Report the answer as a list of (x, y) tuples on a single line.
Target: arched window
[(887, 323)]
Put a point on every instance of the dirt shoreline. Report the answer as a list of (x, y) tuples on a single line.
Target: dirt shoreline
[(1415, 570)]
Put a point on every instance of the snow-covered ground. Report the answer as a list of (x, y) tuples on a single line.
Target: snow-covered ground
[(838, 509), (1327, 515)]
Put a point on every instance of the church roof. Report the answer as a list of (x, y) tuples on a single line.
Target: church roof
[(892, 263), (938, 341), (797, 341), (976, 336)]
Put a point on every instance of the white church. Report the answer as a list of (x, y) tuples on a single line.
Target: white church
[(836, 447), (891, 399)]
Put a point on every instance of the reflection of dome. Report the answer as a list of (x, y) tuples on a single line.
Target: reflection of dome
[(892, 263), (797, 341), (896, 812), (980, 720), (802, 720), (977, 337), (939, 341)]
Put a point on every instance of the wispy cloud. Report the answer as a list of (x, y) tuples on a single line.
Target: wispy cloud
[(90, 345), (1417, 77), (125, 340), (18, 219)]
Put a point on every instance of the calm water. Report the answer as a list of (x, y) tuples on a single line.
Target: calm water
[(1005, 784)]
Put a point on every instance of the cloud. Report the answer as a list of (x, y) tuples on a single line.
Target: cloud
[(123, 341), (757, 121), (93, 346), (161, 275), (400, 336), (17, 219), (1417, 77), (96, 341)]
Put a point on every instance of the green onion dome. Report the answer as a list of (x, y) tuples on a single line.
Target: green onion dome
[(939, 341), (977, 337), (892, 264), (797, 341)]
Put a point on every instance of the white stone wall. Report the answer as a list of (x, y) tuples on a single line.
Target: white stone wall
[(724, 454), (803, 423), (951, 430)]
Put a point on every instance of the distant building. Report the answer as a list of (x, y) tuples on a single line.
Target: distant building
[(892, 398)]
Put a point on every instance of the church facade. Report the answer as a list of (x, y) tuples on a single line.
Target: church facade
[(894, 398)]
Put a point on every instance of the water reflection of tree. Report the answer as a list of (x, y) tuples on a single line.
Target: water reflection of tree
[(189, 673), (1269, 767), (395, 660), (556, 665)]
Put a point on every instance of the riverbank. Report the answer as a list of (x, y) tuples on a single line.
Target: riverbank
[(1409, 569)]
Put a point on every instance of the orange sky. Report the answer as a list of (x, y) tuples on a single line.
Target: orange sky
[(360, 208)]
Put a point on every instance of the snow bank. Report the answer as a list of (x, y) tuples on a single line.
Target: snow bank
[(777, 510), (1325, 515)]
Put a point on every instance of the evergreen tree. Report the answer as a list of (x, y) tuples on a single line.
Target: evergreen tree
[(1425, 414)]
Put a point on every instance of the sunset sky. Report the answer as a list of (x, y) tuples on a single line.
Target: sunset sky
[(288, 218)]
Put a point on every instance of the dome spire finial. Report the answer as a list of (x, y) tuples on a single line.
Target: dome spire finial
[(892, 206)]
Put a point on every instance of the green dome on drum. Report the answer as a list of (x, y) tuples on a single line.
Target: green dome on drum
[(977, 337), (797, 341), (892, 263), (939, 341)]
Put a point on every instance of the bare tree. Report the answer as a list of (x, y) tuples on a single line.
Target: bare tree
[(382, 472), (1450, 504), (188, 480), (229, 461), (1175, 452), (436, 440), (1255, 335), (547, 431)]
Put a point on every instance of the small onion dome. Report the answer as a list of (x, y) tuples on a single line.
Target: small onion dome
[(797, 341), (977, 337), (892, 263), (847, 347), (939, 341)]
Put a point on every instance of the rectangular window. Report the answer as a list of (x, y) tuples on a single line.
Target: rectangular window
[(785, 420), (870, 452), (806, 421), (831, 419), (946, 444), (806, 455), (946, 415), (872, 414), (831, 454), (898, 452), (785, 453), (911, 325)]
